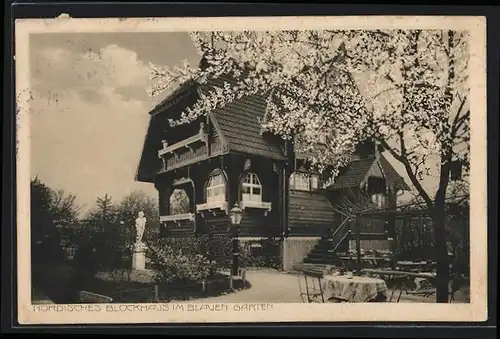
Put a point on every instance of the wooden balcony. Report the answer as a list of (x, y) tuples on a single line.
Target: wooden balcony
[(189, 151), (188, 143)]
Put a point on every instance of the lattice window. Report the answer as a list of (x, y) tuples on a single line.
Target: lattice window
[(251, 188), (216, 188), (304, 181)]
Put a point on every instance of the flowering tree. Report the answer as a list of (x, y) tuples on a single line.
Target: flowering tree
[(407, 89), (419, 107)]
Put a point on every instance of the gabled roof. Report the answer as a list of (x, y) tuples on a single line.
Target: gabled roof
[(149, 162), (237, 122), (240, 125), (354, 174), (392, 175)]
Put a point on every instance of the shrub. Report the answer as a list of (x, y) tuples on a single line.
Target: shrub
[(185, 259), (269, 256), (197, 257)]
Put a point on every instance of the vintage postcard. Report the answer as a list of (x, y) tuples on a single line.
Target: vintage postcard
[(251, 169)]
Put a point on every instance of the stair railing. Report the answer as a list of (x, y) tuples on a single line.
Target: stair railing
[(341, 232)]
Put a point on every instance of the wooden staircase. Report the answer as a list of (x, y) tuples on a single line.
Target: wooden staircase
[(335, 241)]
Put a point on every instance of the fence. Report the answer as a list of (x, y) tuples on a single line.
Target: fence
[(414, 233)]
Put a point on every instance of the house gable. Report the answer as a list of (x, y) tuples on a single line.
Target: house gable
[(356, 173), (149, 162), (239, 122), (236, 124)]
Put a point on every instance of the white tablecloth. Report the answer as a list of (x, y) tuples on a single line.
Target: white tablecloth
[(352, 289)]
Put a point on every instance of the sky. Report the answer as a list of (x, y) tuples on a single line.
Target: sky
[(89, 112)]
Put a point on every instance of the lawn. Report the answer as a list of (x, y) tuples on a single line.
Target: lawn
[(140, 287), (61, 285)]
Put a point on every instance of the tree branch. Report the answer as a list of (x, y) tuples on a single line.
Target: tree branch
[(382, 92), (458, 122), (411, 174)]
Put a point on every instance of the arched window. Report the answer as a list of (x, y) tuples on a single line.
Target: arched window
[(216, 187), (251, 188)]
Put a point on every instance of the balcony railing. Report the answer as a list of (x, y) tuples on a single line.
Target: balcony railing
[(189, 151), (184, 144)]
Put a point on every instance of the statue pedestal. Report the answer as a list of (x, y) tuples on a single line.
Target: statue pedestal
[(139, 257)]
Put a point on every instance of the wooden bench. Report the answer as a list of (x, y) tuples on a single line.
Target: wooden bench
[(94, 298)]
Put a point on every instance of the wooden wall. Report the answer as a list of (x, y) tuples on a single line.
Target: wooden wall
[(310, 214), (255, 222)]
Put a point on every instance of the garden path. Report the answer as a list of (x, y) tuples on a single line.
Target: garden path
[(279, 287)]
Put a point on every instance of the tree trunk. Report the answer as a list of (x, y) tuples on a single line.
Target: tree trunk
[(442, 258), (439, 220)]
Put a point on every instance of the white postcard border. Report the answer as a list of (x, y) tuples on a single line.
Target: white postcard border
[(476, 310)]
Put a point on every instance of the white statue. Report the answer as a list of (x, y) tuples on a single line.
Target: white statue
[(140, 225)]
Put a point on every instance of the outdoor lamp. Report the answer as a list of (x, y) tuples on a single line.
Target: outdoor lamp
[(235, 214)]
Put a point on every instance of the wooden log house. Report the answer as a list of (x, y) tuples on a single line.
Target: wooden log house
[(226, 157)]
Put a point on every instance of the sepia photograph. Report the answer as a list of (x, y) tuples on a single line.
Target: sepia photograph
[(219, 170)]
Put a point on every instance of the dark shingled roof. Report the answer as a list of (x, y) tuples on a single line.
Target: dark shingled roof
[(309, 209), (239, 123), (354, 173)]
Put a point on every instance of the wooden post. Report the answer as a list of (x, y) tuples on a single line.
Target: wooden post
[(392, 195), (358, 243), (244, 276)]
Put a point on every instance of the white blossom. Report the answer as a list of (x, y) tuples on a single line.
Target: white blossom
[(403, 87)]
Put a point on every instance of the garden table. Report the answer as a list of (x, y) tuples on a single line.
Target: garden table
[(416, 265), (419, 278), (353, 288), (376, 261)]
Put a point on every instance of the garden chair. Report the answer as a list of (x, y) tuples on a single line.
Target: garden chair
[(400, 282), (348, 263), (312, 289), (424, 288)]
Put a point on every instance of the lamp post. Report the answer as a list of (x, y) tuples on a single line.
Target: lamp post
[(235, 215)]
